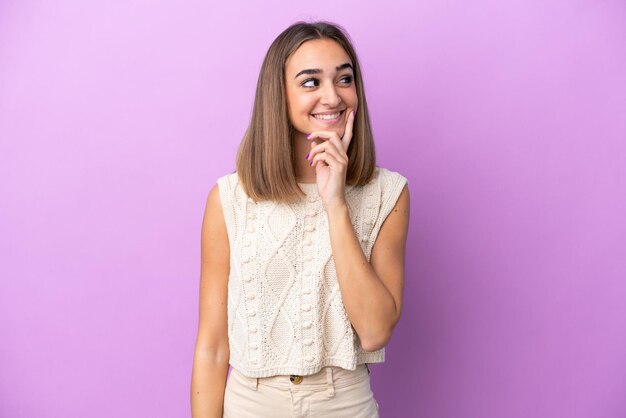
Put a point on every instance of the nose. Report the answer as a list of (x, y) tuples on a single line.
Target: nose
[(330, 96)]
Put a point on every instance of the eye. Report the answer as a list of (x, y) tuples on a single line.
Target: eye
[(309, 80), (347, 79)]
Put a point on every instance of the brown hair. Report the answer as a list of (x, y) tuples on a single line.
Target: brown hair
[(263, 170)]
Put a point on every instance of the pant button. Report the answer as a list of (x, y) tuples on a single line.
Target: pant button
[(295, 379)]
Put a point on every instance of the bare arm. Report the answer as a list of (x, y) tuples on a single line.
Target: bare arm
[(211, 355), (371, 292)]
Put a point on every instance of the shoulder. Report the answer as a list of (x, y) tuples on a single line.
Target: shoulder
[(387, 176), (218, 213), (393, 186), (227, 185), (395, 199), (230, 179), (214, 203), (394, 206), (214, 235), (229, 194)]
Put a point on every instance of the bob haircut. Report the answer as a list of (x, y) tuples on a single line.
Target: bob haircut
[(263, 169)]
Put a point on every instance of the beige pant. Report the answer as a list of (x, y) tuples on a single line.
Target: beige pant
[(333, 392)]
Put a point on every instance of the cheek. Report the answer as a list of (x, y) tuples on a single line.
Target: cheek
[(297, 106), (305, 106), (352, 98)]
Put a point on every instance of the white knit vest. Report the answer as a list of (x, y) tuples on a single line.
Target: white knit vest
[(285, 310)]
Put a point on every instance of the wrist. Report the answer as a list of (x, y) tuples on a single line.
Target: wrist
[(336, 209)]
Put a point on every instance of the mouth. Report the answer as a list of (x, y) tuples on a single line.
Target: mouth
[(328, 118)]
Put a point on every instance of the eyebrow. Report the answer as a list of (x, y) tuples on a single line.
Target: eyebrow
[(317, 70)]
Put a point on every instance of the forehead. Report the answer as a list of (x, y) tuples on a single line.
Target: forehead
[(324, 54)]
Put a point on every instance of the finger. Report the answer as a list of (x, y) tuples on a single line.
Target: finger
[(347, 135), (326, 158), (336, 142), (311, 153), (322, 135), (314, 150), (331, 148), (327, 136)]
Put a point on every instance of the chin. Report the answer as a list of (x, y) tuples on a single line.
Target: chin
[(338, 129)]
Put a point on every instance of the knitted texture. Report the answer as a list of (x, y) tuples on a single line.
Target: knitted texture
[(285, 310)]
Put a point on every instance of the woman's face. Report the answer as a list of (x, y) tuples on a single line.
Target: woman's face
[(320, 81)]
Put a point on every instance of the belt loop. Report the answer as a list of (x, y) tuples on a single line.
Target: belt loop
[(329, 381), (255, 383)]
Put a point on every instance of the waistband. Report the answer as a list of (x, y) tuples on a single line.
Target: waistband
[(329, 379)]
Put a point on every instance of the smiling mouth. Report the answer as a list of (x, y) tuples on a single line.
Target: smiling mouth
[(329, 117)]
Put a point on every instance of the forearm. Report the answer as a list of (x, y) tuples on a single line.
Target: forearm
[(368, 303), (208, 382)]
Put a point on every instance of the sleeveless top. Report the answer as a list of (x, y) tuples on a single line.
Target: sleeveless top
[(285, 310)]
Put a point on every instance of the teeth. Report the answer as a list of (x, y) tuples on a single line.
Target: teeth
[(327, 117)]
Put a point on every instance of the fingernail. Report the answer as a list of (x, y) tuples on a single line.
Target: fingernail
[(308, 135), (311, 163), (307, 156), (354, 113)]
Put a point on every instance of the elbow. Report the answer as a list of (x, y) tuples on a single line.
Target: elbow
[(376, 342), (378, 337), (217, 353)]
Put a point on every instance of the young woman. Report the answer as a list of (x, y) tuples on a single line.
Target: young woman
[(303, 246)]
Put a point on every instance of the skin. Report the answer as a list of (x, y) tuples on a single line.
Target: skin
[(307, 94), (211, 354), (371, 291)]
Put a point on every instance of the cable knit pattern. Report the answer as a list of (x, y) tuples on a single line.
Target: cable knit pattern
[(285, 310)]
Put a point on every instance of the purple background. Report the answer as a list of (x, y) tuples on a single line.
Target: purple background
[(508, 118)]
